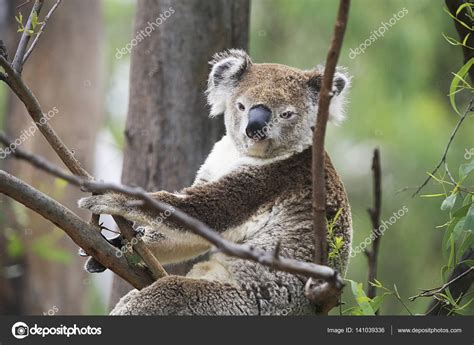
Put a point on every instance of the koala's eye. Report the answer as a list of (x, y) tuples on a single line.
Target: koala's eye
[(240, 106), (287, 115)]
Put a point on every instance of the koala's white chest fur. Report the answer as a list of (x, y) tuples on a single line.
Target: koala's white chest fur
[(224, 159)]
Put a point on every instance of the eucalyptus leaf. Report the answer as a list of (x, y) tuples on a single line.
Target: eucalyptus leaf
[(469, 222), (362, 300), (455, 82), (448, 203), (466, 169)]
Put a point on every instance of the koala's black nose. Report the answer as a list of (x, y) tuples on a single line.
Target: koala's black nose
[(259, 118)]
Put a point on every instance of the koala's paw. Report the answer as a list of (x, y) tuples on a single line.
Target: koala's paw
[(104, 204), (151, 237)]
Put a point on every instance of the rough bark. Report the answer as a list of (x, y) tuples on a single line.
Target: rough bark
[(70, 64), (168, 133)]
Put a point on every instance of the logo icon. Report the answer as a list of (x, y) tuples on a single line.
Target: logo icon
[(20, 330)]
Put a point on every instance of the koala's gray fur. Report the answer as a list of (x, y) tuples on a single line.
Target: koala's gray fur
[(254, 192)]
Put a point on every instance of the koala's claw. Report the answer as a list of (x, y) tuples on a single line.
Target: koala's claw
[(94, 266), (139, 231)]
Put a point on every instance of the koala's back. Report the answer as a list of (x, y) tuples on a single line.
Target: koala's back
[(285, 218)]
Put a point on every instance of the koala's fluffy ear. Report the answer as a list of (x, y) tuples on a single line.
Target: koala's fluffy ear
[(227, 69), (341, 85)]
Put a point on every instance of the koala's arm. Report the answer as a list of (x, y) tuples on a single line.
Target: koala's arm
[(222, 204)]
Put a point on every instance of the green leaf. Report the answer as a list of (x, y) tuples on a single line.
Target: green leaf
[(461, 212), (466, 169), (376, 303), (458, 229), (34, 20), (469, 222), (448, 203), (458, 20), (455, 83), (449, 231), (19, 19), (470, 263), (467, 243), (432, 195), (376, 283), (469, 199), (362, 300), (460, 8), (452, 255)]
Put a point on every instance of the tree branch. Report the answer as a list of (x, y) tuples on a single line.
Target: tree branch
[(319, 191), (374, 213), (156, 269), (34, 109), (446, 149), (17, 63), (196, 226), (40, 32), (14, 80), (79, 231)]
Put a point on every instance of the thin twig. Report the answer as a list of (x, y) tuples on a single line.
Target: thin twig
[(17, 63), (14, 80), (79, 231), (459, 283), (40, 32), (23, 4), (464, 33), (445, 153), (438, 290), (319, 191), (307, 269), (374, 213), (141, 249), (126, 230), (34, 109), (325, 95)]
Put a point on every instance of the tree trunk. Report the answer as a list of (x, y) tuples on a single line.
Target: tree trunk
[(168, 133), (64, 72)]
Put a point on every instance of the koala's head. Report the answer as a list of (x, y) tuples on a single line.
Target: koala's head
[(269, 109)]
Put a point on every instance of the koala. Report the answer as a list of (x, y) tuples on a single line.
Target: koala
[(254, 188)]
